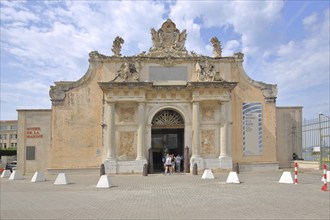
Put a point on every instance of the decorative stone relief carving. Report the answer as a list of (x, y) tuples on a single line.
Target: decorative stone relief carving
[(208, 141), (128, 72), (208, 113), (116, 47), (167, 117), (217, 50), (207, 72), (127, 114), (56, 93), (168, 41), (126, 141)]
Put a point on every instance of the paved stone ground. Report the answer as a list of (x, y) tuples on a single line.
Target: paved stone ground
[(178, 196)]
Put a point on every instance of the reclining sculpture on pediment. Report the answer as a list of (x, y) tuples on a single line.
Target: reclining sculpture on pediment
[(207, 72), (127, 72)]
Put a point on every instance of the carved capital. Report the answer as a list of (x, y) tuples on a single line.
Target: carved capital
[(57, 94), (270, 92)]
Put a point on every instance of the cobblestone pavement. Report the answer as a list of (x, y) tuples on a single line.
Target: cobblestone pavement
[(177, 196)]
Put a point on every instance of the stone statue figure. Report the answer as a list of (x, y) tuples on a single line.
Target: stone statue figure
[(155, 39), (181, 41), (217, 50), (198, 70), (116, 47)]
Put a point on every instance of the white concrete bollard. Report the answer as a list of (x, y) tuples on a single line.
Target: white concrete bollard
[(16, 175), (232, 178), (286, 178), (104, 182), (5, 174), (61, 179), (38, 177), (208, 174)]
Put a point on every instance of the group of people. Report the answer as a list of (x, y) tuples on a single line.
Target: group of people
[(172, 164)]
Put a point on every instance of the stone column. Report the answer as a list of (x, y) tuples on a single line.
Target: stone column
[(141, 132), (226, 161), (111, 131), (196, 133), (196, 138)]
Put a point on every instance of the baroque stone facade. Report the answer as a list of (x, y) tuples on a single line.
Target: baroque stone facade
[(129, 111)]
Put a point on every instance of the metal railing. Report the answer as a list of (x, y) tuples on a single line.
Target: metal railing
[(316, 139)]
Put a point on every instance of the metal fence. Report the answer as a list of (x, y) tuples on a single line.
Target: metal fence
[(316, 139)]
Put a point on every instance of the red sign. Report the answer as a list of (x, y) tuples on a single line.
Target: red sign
[(33, 132)]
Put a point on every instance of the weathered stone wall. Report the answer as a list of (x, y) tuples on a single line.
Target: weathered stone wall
[(76, 124), (248, 90), (289, 134), (34, 130)]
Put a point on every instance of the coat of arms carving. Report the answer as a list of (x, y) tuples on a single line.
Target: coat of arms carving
[(168, 41)]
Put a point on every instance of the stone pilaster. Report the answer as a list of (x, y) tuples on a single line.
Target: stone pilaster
[(196, 138), (196, 133), (111, 132), (141, 132), (225, 158)]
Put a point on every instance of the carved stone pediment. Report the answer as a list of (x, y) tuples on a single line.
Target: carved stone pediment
[(168, 41)]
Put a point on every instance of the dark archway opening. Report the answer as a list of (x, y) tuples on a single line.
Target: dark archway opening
[(167, 137), (166, 141)]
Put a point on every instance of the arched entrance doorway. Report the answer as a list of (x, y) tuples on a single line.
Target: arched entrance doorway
[(167, 136)]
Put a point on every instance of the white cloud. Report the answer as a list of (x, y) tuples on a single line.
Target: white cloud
[(310, 20), (301, 67), (252, 20), (231, 47), (51, 40)]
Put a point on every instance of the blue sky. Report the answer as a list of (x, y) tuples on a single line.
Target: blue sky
[(284, 42)]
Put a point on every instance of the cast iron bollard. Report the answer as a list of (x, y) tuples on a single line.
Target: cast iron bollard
[(195, 171), (102, 170), (145, 170), (236, 168)]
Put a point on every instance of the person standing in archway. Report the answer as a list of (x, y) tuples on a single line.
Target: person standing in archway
[(168, 164), (178, 159)]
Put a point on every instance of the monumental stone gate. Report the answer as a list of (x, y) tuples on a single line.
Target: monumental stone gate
[(127, 111)]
